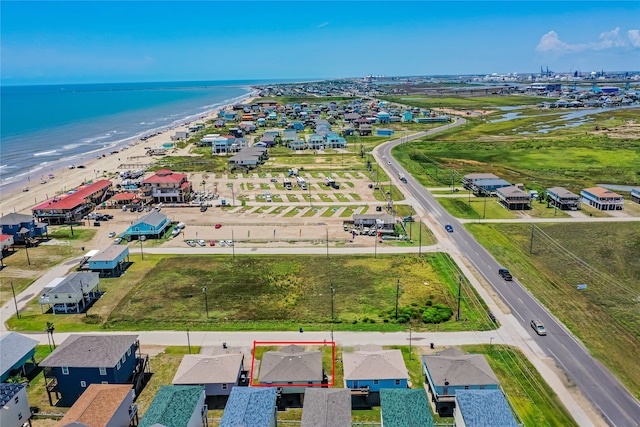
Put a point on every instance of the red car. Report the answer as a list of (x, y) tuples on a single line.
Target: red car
[(218, 226), (212, 242)]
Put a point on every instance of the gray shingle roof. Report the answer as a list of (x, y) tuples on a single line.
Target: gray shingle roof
[(293, 364), (15, 218), (154, 219), (249, 407), (326, 407), (75, 283), (14, 347), (459, 369), (89, 351), (405, 407), (216, 369), (484, 408), (368, 365), (110, 253)]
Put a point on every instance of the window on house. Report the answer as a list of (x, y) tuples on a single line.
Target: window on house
[(129, 352), (83, 383), (124, 357), (397, 382), (16, 400), (466, 387), (105, 382), (19, 415), (103, 371), (118, 365), (65, 370), (224, 386), (481, 386), (375, 381)]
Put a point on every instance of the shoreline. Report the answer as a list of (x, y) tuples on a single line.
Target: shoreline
[(41, 188)]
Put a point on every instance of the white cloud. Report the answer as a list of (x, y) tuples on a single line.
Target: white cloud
[(324, 24), (550, 42), (634, 37)]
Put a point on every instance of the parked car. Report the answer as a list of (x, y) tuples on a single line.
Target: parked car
[(191, 243), (230, 242), (449, 228), (212, 242), (538, 326), (202, 242), (274, 179), (203, 208), (504, 273), (117, 241), (112, 234), (222, 243), (217, 226)]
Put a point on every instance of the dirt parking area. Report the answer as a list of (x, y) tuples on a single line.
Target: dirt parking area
[(293, 217)]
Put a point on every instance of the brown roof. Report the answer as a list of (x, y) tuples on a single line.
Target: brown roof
[(97, 405), (601, 192)]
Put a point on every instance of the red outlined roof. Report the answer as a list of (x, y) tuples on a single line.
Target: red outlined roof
[(124, 196), (70, 201), (285, 343)]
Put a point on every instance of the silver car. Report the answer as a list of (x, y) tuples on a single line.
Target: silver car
[(538, 326)]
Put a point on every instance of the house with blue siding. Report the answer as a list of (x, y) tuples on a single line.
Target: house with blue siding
[(602, 199), (407, 116), (383, 117), (335, 141), (82, 360), (17, 356), (110, 261), (177, 406), (483, 408), (373, 368), (635, 195), (152, 226), (316, 142), (251, 407), (562, 198), (218, 373), (452, 370), (405, 407), (385, 132), (22, 227)]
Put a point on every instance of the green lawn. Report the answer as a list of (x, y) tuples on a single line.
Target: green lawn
[(468, 103), (606, 317), (479, 208)]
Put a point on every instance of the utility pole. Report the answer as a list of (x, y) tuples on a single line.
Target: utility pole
[(333, 318), (206, 300), (420, 238), (188, 341), (26, 250), (459, 296), (14, 300), (531, 244), (484, 212), (397, 297), (327, 230)]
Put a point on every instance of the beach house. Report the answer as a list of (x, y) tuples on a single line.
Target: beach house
[(71, 294), (602, 199), (14, 405), (17, 356), (110, 261), (562, 198), (103, 405), (479, 408), (151, 226), (326, 407), (22, 228), (73, 205), (82, 360), (250, 407), (167, 186), (405, 407), (177, 406)]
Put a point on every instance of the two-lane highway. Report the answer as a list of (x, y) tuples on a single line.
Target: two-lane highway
[(617, 406)]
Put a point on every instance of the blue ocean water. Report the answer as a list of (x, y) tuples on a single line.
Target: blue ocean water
[(43, 126)]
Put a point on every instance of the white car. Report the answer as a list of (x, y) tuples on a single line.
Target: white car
[(223, 243), (112, 234), (202, 242), (230, 242)]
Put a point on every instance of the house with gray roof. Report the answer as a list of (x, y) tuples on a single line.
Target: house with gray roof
[(219, 373), (82, 360), (72, 294), (110, 261), (452, 370), (151, 226), (14, 405), (292, 369), (250, 407), (374, 369), (483, 408), (405, 407), (563, 199), (22, 227), (513, 198), (17, 355), (177, 406), (326, 407)]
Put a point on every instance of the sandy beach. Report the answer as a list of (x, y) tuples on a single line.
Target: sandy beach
[(41, 187)]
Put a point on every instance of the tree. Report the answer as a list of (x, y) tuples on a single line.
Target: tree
[(49, 330)]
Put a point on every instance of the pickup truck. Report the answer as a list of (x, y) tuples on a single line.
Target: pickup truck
[(504, 273)]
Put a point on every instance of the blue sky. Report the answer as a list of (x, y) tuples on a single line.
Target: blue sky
[(83, 42)]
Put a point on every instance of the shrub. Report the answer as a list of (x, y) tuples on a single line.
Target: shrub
[(438, 313)]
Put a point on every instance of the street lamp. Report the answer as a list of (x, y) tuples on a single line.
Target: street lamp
[(206, 300)]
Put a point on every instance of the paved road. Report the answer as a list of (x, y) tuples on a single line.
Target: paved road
[(617, 406)]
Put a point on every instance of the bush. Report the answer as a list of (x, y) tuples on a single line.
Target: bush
[(438, 313), (92, 319)]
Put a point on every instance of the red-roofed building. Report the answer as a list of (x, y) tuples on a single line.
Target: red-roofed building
[(167, 186), (72, 206), (123, 199), (6, 241)]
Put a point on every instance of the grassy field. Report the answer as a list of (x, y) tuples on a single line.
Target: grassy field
[(466, 103), (273, 293), (606, 317), (534, 401)]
